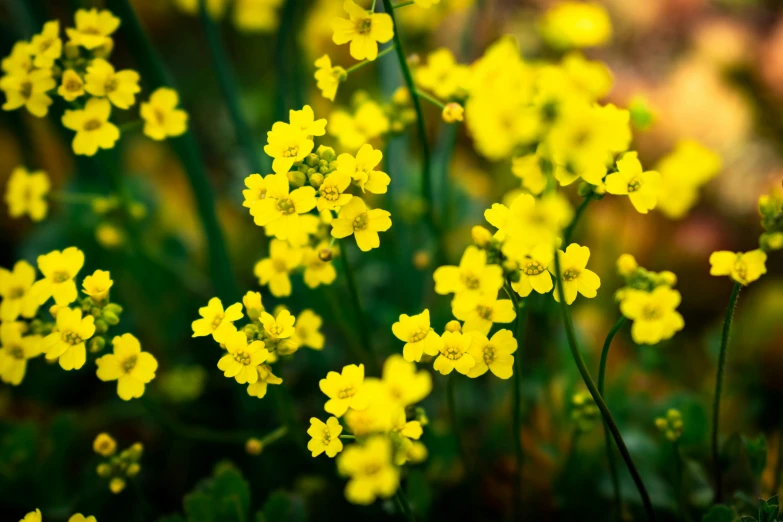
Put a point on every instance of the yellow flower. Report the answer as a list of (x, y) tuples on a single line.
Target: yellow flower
[(453, 112), (275, 269), (26, 194), (626, 265), (162, 118), (128, 365), (328, 77), (576, 277), (642, 188), (369, 122), (287, 145), (454, 354), (403, 384), (15, 350), (493, 354), (93, 28), (46, 46), (66, 342), (242, 360), (595, 78), (304, 120), (256, 15), (371, 470), (317, 271), (363, 29), (15, 289), (97, 285), (683, 172), (92, 126), (332, 191), (406, 433), (119, 87), (443, 75), (654, 314), (479, 311), (253, 305), (472, 275), (307, 330), (345, 390), (742, 267), (256, 189), (104, 445), (531, 170), (576, 24), (265, 377), (361, 169), (355, 218), (71, 85), (28, 89), (325, 437), (59, 270), (19, 60), (33, 516), (78, 517), (533, 274), (426, 3), (280, 205), (214, 321), (417, 335), (280, 327)]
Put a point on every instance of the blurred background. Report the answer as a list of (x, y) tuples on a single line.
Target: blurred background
[(711, 71)]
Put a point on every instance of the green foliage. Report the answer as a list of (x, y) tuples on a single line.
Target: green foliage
[(720, 513), (756, 450), (281, 506), (224, 497)]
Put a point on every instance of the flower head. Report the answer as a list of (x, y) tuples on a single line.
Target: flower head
[(215, 321), (307, 330), (26, 194), (15, 351), (480, 311), (533, 274), (265, 378), (344, 390), (325, 437), (371, 470), (454, 354), (304, 120), (66, 342), (59, 270), (28, 89), (363, 29), (355, 218), (280, 327), (93, 28), (104, 445), (495, 354), (280, 210), (243, 358), (317, 271), (162, 118), (576, 277), (417, 335), (253, 305), (97, 285), (119, 87), (362, 169), (287, 144), (128, 365), (472, 275), (404, 385), (744, 268), (654, 314), (275, 269), (46, 46), (331, 193), (33, 516), (71, 85), (93, 129), (328, 77), (642, 188), (15, 291)]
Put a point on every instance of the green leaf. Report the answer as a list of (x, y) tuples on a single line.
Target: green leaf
[(768, 509), (757, 453), (231, 494), (199, 507), (720, 513)]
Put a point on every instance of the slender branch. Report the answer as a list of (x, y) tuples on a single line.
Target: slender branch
[(517, 403), (361, 64), (73, 199), (433, 100), (403, 4), (609, 449), (569, 230), (724, 344), (585, 373), (349, 437), (364, 331), (229, 89), (130, 126)]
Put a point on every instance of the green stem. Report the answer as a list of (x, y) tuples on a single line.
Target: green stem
[(361, 64), (152, 69), (130, 126), (403, 4), (517, 402), (74, 199), (274, 436), (426, 181), (679, 470), (228, 87), (569, 230), (431, 99), (364, 331), (618, 499), (403, 505), (349, 437), (724, 344), (591, 387)]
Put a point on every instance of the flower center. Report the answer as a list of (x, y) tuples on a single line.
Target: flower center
[(327, 437), (485, 312), (90, 30), (533, 268), (129, 364), (110, 85), (26, 89), (217, 320), (651, 312), (275, 330), (71, 338), (489, 354), (419, 335), (330, 193), (91, 125), (160, 116), (364, 26), (73, 86), (470, 281), (741, 269), (451, 352), (570, 274), (346, 393), (16, 292), (242, 357), (15, 351), (61, 277), (634, 185), (286, 206), (291, 151), (280, 265), (360, 221)]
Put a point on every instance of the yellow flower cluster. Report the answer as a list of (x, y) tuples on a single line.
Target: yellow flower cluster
[(80, 72), (374, 413), (671, 425), (683, 172), (117, 468), (26, 194), (35, 516), (251, 349)]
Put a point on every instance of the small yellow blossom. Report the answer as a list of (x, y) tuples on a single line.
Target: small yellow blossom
[(472, 275), (328, 77), (128, 365), (214, 321), (162, 118), (454, 354), (362, 169), (479, 312), (281, 209), (119, 87), (256, 15), (345, 390), (256, 189), (46, 46), (531, 170), (71, 85), (533, 271), (642, 188), (33, 516), (331, 193), (742, 267), (363, 29), (317, 271), (287, 145), (453, 112), (265, 378), (253, 305), (15, 290), (355, 218), (15, 351), (92, 126), (93, 28), (104, 445), (275, 269), (78, 517), (66, 342), (371, 470), (59, 270), (654, 314), (417, 335), (26, 194), (325, 437), (97, 285), (576, 277), (403, 384), (304, 120), (307, 330), (242, 360), (495, 354), (28, 89), (280, 327), (576, 24), (626, 265)]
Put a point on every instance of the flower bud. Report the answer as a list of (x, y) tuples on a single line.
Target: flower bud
[(481, 236), (401, 96), (296, 178), (287, 347), (668, 278), (626, 264), (96, 344), (453, 326), (254, 446), (113, 308), (110, 318), (326, 153), (316, 180), (421, 259), (133, 469), (325, 255), (104, 445), (453, 112), (116, 485), (101, 327), (311, 160)]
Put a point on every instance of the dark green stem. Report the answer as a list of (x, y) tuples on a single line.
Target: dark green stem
[(197, 433), (609, 448), (364, 331), (569, 230), (403, 505), (228, 87), (154, 73), (432, 99), (519, 326), (724, 344), (591, 387)]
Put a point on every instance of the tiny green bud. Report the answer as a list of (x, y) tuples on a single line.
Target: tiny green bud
[(97, 344), (311, 160), (110, 318), (326, 153), (101, 327), (316, 180), (296, 178)]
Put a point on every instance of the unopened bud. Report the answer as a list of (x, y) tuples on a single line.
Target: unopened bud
[(626, 264), (453, 112), (116, 485), (296, 178), (254, 446), (453, 326), (325, 255), (481, 236)]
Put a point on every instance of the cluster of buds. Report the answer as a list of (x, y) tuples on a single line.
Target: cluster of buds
[(670, 425), (584, 412), (254, 331), (118, 467), (771, 209), (314, 168), (639, 278), (106, 314), (484, 239)]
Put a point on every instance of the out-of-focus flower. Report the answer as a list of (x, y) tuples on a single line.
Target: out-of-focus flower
[(371, 470), (276, 269), (328, 77), (742, 267), (28, 89), (46, 46), (162, 118), (15, 350), (26, 194), (654, 314), (119, 87), (93, 28), (576, 24), (93, 129)]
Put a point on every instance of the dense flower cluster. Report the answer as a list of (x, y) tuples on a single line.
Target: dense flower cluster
[(117, 468)]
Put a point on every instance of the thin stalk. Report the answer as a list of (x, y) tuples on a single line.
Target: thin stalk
[(403, 505), (152, 69), (361, 64), (569, 230), (403, 4), (724, 344), (433, 100), (591, 387), (229, 89), (450, 397), (679, 469), (364, 331), (618, 499), (426, 181), (517, 402), (130, 126), (349, 437), (274, 436), (73, 199)]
